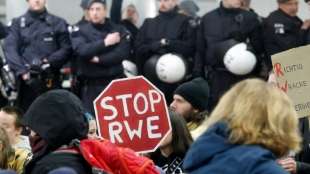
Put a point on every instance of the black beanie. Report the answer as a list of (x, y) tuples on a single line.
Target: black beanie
[(93, 1), (196, 92)]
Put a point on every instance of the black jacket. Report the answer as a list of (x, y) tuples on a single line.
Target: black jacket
[(35, 36), (221, 25), (88, 41), (283, 32), (303, 158), (57, 117), (173, 27)]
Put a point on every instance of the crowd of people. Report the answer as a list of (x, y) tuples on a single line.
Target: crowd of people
[(222, 121)]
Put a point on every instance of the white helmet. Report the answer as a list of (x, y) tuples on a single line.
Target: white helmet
[(238, 60), (171, 68), (130, 68)]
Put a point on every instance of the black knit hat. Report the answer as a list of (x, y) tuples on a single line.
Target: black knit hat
[(93, 1), (307, 1), (196, 92)]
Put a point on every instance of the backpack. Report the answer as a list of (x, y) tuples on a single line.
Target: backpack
[(106, 157)]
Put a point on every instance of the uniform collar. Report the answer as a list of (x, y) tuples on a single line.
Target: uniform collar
[(169, 13), (229, 10), (37, 14), (103, 26)]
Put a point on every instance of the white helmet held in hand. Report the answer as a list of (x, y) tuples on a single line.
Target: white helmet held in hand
[(171, 68), (130, 68), (239, 61)]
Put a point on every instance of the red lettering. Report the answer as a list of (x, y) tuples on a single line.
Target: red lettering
[(283, 87), (278, 70)]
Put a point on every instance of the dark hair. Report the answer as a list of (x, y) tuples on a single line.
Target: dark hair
[(181, 137), (7, 150), (16, 112)]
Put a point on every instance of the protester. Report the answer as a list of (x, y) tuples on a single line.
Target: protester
[(169, 156), (190, 100), (253, 124), (10, 120), (10, 158), (55, 119), (92, 126)]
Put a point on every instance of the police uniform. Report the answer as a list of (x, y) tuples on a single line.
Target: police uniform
[(169, 32), (33, 37), (88, 42), (217, 27), (283, 32)]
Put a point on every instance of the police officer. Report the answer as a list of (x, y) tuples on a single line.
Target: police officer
[(283, 29), (37, 46), (101, 46), (227, 22), (85, 18), (169, 32)]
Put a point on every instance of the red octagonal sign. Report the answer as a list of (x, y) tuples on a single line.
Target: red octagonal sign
[(133, 113)]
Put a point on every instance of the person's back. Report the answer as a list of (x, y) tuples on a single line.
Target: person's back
[(253, 125), (55, 119), (212, 153)]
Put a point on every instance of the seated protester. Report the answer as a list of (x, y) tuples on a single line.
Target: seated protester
[(9, 158), (10, 120), (92, 126), (169, 156), (253, 124), (190, 100), (301, 163), (55, 119)]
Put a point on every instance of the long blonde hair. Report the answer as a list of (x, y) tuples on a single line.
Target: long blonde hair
[(258, 113), (6, 151)]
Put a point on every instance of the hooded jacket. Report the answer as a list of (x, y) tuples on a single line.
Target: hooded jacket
[(57, 117), (213, 154)]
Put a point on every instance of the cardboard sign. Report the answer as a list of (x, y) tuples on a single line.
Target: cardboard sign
[(133, 113), (292, 71)]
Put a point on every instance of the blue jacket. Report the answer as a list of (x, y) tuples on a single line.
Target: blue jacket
[(213, 154)]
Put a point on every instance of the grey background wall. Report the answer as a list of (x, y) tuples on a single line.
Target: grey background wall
[(70, 10)]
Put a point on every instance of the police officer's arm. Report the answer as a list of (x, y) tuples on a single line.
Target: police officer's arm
[(143, 47), (186, 44), (201, 46), (119, 53), (272, 42), (59, 57), (116, 11), (12, 47), (257, 41), (277, 39), (84, 49)]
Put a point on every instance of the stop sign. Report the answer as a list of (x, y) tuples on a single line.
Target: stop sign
[(133, 113)]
